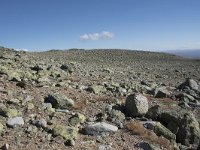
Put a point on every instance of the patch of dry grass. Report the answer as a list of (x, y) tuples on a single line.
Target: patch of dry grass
[(138, 129)]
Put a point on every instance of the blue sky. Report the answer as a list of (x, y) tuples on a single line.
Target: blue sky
[(128, 24)]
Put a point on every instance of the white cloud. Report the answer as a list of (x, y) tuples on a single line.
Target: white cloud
[(23, 49), (97, 36)]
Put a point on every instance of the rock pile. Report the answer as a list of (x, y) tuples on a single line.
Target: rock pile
[(85, 99)]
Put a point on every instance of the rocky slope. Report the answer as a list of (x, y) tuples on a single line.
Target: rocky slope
[(98, 99)]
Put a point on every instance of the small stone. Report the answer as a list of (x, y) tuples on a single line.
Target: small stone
[(77, 119), (117, 115), (30, 106), (41, 123), (70, 142), (14, 101), (12, 122), (146, 146)]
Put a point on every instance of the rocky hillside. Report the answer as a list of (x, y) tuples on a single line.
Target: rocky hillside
[(98, 99)]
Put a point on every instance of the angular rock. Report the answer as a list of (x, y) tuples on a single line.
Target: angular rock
[(66, 132), (189, 83), (12, 122), (161, 92), (189, 132), (99, 128), (154, 112), (171, 119), (159, 129), (41, 123), (77, 119), (117, 115), (136, 105), (59, 101)]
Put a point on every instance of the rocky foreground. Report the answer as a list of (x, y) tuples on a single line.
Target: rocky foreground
[(98, 99)]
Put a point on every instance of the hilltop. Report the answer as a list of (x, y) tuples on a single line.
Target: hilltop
[(98, 99)]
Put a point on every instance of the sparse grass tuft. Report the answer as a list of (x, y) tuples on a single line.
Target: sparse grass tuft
[(138, 129)]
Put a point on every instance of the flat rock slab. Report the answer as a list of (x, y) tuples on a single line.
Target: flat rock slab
[(99, 128)]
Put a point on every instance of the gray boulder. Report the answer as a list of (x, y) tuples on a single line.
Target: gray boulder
[(189, 83), (99, 128), (136, 105), (183, 124), (189, 132)]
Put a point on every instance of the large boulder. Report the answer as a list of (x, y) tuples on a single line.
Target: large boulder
[(183, 124), (59, 101), (189, 84), (136, 105), (189, 132)]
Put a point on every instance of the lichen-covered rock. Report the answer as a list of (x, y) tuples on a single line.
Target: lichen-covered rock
[(66, 132), (30, 106), (136, 105), (96, 89), (189, 132), (59, 101), (117, 115), (9, 112), (77, 119), (159, 129)]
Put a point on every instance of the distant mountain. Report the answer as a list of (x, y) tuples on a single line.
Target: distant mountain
[(190, 53)]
